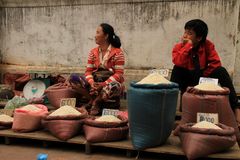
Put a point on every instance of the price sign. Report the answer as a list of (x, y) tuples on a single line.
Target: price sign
[(162, 72), (68, 101), (113, 112), (209, 117), (208, 80)]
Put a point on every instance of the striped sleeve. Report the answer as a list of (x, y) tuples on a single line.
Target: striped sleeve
[(90, 68), (118, 68)]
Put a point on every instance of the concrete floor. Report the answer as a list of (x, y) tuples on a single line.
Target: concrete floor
[(29, 149)]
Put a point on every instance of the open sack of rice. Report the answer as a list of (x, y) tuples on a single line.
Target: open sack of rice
[(65, 122), (28, 118), (205, 138), (105, 128), (208, 99), (59, 91), (6, 121), (147, 99)]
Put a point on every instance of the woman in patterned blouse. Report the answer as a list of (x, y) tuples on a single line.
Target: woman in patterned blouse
[(105, 67)]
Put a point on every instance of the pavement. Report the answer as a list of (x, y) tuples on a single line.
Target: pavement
[(25, 149)]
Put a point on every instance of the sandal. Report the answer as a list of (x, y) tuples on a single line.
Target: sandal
[(94, 111)]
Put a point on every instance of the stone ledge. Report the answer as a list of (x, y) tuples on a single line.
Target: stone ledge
[(51, 3)]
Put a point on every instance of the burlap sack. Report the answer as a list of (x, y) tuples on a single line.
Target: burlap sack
[(200, 142), (59, 91), (27, 121), (6, 124), (66, 126), (63, 129), (97, 134), (92, 122), (195, 101), (98, 131)]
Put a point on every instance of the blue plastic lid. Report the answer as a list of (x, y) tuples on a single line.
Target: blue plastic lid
[(42, 156)]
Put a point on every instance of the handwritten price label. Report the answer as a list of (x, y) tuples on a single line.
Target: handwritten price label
[(209, 117), (68, 101), (208, 80), (113, 112), (162, 72)]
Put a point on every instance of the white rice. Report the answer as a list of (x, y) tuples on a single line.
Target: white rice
[(154, 78), (65, 110), (30, 108), (108, 118), (209, 87), (5, 118), (205, 124)]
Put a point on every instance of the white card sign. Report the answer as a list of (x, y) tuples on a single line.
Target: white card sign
[(209, 117), (113, 112), (68, 101), (208, 80), (162, 72)]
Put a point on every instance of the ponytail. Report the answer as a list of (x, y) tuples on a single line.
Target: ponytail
[(113, 39)]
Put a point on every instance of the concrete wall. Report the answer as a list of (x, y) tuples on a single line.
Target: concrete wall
[(61, 32)]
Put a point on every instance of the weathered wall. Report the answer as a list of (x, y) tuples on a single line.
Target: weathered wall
[(236, 75), (61, 32)]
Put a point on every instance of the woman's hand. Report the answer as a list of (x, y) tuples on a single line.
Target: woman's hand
[(185, 40), (96, 87)]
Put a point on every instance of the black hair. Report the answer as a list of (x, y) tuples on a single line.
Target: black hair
[(199, 27), (113, 39)]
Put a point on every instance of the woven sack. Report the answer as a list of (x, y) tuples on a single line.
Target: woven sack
[(100, 131), (27, 121), (103, 124), (152, 110), (59, 91), (66, 126), (194, 101), (8, 112), (63, 129), (5, 124), (201, 142), (96, 134)]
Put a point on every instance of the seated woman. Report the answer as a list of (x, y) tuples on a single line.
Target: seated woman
[(105, 68)]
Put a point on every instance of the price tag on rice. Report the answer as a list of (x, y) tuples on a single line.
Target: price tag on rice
[(209, 117), (68, 101), (208, 80), (162, 72), (113, 112)]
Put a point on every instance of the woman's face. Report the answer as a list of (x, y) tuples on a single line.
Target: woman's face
[(100, 37)]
